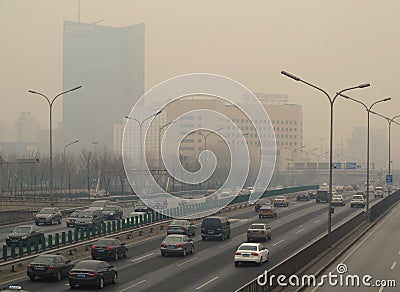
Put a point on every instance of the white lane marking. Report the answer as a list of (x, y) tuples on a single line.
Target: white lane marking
[(206, 283), (188, 261), (276, 243), (393, 265), (298, 231), (10, 281), (316, 221), (127, 288), (225, 244), (145, 256)]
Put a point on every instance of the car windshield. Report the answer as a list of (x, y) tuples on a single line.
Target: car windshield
[(98, 204), (105, 242), (74, 214), (46, 211), (22, 229), (178, 222), (248, 247), (173, 239), (44, 260), (110, 208), (337, 197), (85, 214), (256, 226)]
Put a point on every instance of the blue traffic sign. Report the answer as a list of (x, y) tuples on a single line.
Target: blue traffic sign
[(389, 178), (336, 165), (351, 165)]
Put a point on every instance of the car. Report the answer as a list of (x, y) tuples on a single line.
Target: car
[(24, 233), (89, 218), (379, 193), (112, 212), (259, 231), (312, 194), (48, 216), (108, 249), (251, 252), (177, 244), (364, 194), (303, 197), (257, 207), (357, 201), (267, 211), (92, 273), (49, 266), (322, 196), (70, 221), (337, 200), (281, 201), (143, 208), (181, 227), (101, 204), (215, 227)]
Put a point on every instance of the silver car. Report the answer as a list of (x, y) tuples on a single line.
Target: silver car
[(48, 216), (177, 244), (259, 231)]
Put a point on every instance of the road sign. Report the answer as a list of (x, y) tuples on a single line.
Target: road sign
[(389, 178), (336, 165), (351, 165)]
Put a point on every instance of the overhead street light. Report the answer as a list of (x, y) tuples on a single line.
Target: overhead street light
[(368, 109), (293, 150), (331, 103)]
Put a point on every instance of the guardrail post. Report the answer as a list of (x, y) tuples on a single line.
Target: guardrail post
[(5, 252), (82, 234), (13, 255), (108, 227), (29, 246), (50, 241), (153, 217), (118, 225), (76, 238), (43, 242), (104, 228), (57, 239), (63, 241), (94, 230), (113, 227), (88, 232), (36, 246)]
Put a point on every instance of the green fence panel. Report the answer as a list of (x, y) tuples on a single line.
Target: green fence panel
[(108, 227), (113, 226), (75, 236), (63, 238), (20, 249), (118, 225), (57, 239), (50, 241), (5, 251), (36, 246), (94, 230), (13, 255), (29, 246), (104, 228), (43, 242), (82, 234), (88, 231)]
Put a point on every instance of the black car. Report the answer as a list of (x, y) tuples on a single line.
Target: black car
[(109, 249), (181, 227), (257, 207), (70, 221), (92, 273), (303, 197), (215, 227), (24, 233), (49, 266), (143, 208), (112, 212)]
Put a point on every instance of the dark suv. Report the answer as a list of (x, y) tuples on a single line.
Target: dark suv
[(215, 227)]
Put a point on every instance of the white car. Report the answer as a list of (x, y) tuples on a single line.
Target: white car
[(357, 201), (337, 200), (251, 252)]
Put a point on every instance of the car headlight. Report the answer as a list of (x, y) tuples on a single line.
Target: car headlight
[(111, 214), (8, 237), (24, 237)]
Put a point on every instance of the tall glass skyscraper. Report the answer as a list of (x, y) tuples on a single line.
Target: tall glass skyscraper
[(109, 63)]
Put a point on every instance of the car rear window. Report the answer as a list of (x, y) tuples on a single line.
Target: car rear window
[(44, 260), (256, 226), (173, 239), (358, 197), (103, 242), (211, 223), (248, 247), (90, 265), (178, 222)]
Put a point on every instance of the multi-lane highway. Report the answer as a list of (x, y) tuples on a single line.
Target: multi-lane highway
[(211, 267)]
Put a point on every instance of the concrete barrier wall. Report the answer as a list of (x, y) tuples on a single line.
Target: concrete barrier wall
[(14, 216)]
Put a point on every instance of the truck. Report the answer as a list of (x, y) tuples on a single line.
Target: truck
[(322, 196)]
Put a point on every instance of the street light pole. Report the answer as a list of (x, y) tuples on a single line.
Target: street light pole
[(368, 109), (69, 172), (331, 103), (159, 146), (293, 150), (390, 121), (306, 166), (51, 131)]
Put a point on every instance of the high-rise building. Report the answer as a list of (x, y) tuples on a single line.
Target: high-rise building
[(109, 64), (27, 128)]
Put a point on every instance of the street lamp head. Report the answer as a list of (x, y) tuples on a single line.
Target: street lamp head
[(364, 85), (31, 91), (290, 75), (75, 88), (387, 99), (159, 112)]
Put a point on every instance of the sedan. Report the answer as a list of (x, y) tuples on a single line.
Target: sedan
[(267, 211), (177, 244), (49, 266), (259, 231), (24, 233), (181, 227), (337, 200), (92, 273), (109, 249), (281, 201), (112, 212), (251, 252), (70, 221)]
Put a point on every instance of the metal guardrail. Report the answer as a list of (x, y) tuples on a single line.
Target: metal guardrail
[(292, 264)]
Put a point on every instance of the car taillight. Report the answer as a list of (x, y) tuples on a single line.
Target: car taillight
[(238, 253), (179, 245), (109, 247), (254, 254), (29, 266), (71, 273), (94, 247), (95, 274), (51, 268), (162, 245)]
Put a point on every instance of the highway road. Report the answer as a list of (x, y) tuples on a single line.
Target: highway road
[(211, 267), (376, 254)]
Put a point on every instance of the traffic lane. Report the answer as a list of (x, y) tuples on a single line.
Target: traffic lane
[(219, 273), (48, 229), (148, 260), (376, 254)]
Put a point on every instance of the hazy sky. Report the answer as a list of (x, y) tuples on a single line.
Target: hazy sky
[(333, 44)]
